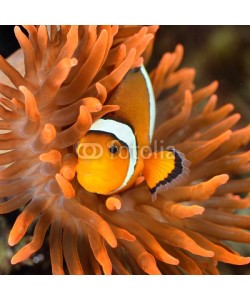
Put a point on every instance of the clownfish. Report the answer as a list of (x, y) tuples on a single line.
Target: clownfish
[(115, 153)]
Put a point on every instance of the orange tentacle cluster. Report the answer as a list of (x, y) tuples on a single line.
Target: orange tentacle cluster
[(69, 72)]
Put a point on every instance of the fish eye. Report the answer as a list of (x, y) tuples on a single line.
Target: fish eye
[(113, 149)]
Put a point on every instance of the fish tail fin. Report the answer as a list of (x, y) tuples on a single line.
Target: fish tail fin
[(165, 169)]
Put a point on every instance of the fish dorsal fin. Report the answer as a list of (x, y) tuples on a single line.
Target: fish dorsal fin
[(135, 97), (164, 169)]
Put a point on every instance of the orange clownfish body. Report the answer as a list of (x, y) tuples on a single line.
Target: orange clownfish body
[(116, 150)]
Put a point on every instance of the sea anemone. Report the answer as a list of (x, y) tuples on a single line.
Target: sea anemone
[(69, 73)]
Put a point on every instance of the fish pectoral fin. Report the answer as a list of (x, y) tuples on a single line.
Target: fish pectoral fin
[(164, 169), (139, 180)]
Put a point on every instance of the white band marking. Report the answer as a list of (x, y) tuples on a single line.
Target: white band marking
[(151, 102)]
